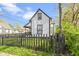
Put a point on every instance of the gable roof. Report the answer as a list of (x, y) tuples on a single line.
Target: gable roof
[(35, 14), (41, 11)]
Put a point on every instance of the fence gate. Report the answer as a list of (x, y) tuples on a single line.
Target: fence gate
[(59, 44)]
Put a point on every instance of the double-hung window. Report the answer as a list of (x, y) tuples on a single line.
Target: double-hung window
[(39, 29)]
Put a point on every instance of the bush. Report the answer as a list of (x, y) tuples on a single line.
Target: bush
[(71, 37)]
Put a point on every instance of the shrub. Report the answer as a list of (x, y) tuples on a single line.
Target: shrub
[(71, 37)]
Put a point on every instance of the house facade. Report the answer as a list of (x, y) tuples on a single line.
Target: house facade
[(39, 24), (2, 29)]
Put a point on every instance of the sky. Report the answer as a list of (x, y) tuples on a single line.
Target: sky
[(20, 13)]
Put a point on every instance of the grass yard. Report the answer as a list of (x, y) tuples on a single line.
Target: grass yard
[(20, 51), (34, 43), (25, 46)]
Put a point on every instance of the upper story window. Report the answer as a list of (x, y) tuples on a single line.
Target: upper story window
[(39, 16)]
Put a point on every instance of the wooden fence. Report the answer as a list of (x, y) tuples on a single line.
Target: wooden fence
[(36, 42)]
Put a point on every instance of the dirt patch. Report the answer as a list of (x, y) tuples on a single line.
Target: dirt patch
[(5, 54)]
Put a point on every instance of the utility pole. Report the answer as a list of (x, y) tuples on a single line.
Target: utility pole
[(60, 14), (61, 37), (60, 41)]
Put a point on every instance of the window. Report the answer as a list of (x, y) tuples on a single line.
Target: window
[(39, 16), (39, 29)]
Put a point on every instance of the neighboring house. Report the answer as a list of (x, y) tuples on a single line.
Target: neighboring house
[(40, 23), (9, 31), (16, 31), (23, 30), (2, 29), (5, 28)]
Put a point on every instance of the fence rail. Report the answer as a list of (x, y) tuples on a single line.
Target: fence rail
[(36, 42)]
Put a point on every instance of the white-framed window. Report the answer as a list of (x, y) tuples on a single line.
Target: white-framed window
[(39, 16), (39, 29)]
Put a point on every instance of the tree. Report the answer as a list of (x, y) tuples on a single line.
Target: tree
[(71, 14), (18, 27), (71, 30), (12, 27)]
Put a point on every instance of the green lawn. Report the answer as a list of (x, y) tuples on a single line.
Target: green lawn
[(20, 51), (15, 46)]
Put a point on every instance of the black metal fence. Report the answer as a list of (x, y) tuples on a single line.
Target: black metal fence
[(36, 42)]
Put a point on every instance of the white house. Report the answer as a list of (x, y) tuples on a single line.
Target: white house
[(2, 29), (39, 23), (5, 30), (9, 31)]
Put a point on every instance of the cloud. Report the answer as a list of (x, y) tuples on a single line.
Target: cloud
[(28, 8), (0, 9), (11, 8), (28, 15), (15, 10)]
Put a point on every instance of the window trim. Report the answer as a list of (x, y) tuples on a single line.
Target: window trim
[(39, 16), (39, 29)]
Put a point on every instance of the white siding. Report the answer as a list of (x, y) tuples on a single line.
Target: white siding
[(44, 21), (0, 31)]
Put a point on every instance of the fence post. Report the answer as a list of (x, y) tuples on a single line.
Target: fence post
[(54, 43), (2, 41), (57, 44), (21, 40), (51, 44)]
